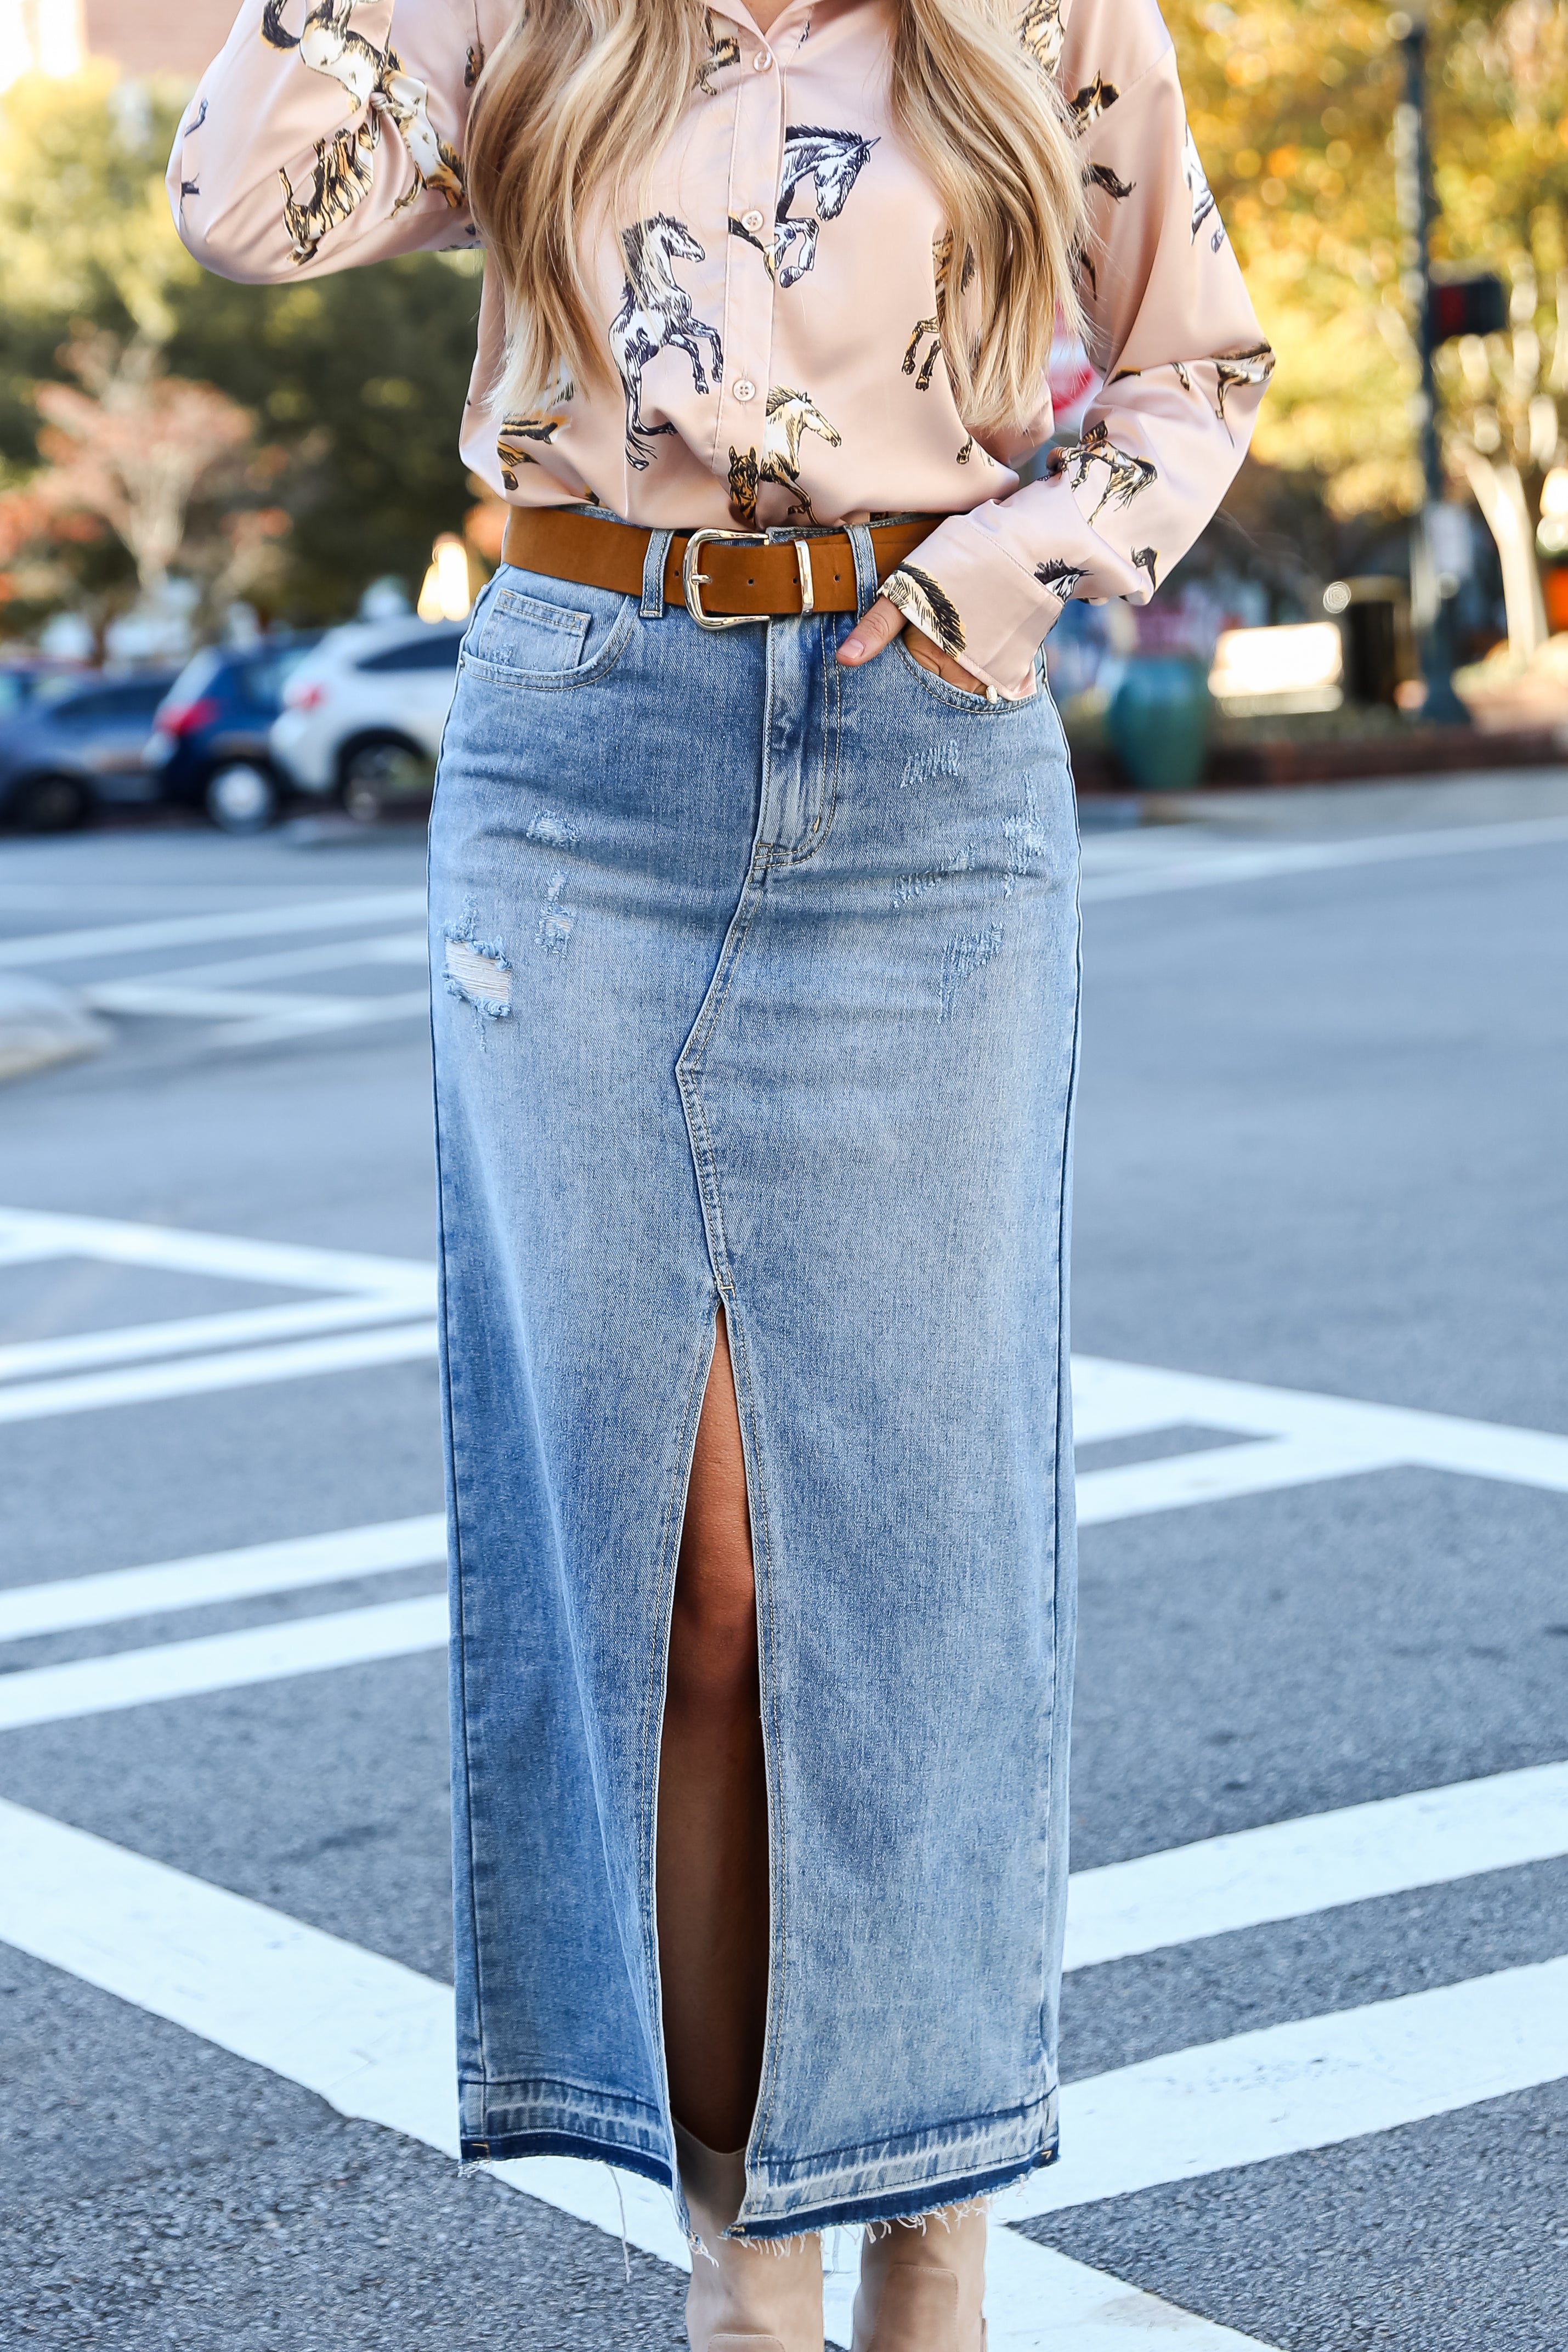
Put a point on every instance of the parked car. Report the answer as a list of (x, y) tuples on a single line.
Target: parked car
[(75, 746), (363, 714), (209, 748)]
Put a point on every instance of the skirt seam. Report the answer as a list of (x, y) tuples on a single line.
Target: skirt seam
[(648, 1802)]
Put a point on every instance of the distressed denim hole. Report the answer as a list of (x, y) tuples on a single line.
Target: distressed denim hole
[(484, 981)]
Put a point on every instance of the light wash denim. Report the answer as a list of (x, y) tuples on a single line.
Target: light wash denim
[(756, 981)]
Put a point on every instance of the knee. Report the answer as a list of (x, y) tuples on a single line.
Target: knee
[(712, 1646)]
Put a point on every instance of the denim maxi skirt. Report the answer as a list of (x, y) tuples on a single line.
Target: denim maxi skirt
[(761, 987)]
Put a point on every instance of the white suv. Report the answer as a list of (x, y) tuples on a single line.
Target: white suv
[(362, 713)]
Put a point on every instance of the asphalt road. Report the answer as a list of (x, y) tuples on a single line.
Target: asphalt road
[(1323, 1148)]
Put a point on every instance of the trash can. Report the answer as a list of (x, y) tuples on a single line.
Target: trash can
[(1373, 616), (1158, 722)]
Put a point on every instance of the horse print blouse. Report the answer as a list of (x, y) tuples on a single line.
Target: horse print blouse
[(775, 320)]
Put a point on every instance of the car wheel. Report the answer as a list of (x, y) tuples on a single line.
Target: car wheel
[(50, 804), (389, 778), (242, 798)]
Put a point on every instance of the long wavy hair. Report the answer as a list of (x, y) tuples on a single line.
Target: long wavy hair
[(576, 101)]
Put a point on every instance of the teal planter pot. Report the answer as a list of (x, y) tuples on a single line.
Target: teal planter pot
[(1158, 722)]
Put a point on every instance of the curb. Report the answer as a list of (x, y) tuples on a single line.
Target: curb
[(40, 1026)]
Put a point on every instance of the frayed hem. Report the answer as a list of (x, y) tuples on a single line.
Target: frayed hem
[(946, 2214), (770, 2245)]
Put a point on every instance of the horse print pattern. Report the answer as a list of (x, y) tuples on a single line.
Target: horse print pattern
[(723, 49), (1043, 33), (1254, 366), (1198, 185), (517, 430), (1061, 577), (716, 257), (790, 415), (1091, 102), (1125, 475), (375, 79), (833, 160), (935, 326), (656, 315), (341, 181), (925, 603)]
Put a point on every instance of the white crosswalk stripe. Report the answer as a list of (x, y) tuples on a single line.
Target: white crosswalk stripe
[(215, 1661), (1310, 2084), (375, 2039), (292, 1566)]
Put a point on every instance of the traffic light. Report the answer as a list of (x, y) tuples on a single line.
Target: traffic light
[(1466, 306)]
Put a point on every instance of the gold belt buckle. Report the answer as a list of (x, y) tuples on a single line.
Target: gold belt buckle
[(693, 581)]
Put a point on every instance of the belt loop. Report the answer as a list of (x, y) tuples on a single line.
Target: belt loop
[(864, 552), (653, 606)]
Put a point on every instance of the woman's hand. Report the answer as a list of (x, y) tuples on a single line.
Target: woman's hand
[(878, 630)]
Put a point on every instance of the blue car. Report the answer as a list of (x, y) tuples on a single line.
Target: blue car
[(72, 745), (209, 746)]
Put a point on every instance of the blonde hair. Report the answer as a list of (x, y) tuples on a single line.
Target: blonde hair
[(578, 101)]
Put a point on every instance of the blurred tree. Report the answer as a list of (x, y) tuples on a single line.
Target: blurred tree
[(1292, 107), (134, 446), (359, 379)]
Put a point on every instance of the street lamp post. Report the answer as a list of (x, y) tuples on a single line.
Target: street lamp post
[(1430, 610)]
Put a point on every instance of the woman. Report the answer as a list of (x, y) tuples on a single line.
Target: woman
[(753, 870)]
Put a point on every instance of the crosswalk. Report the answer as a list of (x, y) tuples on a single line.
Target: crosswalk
[(244, 1001), (375, 2038), (150, 969)]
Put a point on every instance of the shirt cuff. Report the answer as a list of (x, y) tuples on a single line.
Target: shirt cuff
[(977, 602)]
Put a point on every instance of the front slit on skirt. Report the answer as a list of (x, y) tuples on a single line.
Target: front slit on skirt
[(757, 982)]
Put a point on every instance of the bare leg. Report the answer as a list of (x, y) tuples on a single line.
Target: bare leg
[(712, 1892)]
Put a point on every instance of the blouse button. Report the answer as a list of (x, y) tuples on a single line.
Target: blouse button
[(743, 388), (752, 220), (762, 60)]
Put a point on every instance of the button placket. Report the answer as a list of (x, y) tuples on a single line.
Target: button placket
[(756, 160)]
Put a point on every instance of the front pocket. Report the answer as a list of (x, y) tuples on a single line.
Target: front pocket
[(540, 633), (520, 633), (941, 685)]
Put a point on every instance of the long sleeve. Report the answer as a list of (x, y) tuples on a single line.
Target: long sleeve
[(326, 134), (1171, 330)]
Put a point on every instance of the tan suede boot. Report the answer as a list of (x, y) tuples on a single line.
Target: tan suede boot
[(921, 2290), (753, 2298)]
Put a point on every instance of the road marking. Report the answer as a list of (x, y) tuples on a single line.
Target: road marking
[(204, 1375), (1288, 1870), (1115, 1400), (296, 1267), (215, 1661), (334, 1013), (1314, 2083), (1187, 868), (160, 1000), (371, 1290), (194, 931), (131, 1343), (251, 1017), (375, 2040), (71, 1603), (1257, 1468), (1303, 1436), (1182, 1894), (338, 955)]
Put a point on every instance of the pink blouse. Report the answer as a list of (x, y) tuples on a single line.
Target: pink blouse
[(775, 319)]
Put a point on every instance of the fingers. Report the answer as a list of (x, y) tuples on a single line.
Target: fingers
[(869, 636)]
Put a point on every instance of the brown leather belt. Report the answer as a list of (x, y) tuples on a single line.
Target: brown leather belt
[(722, 577)]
